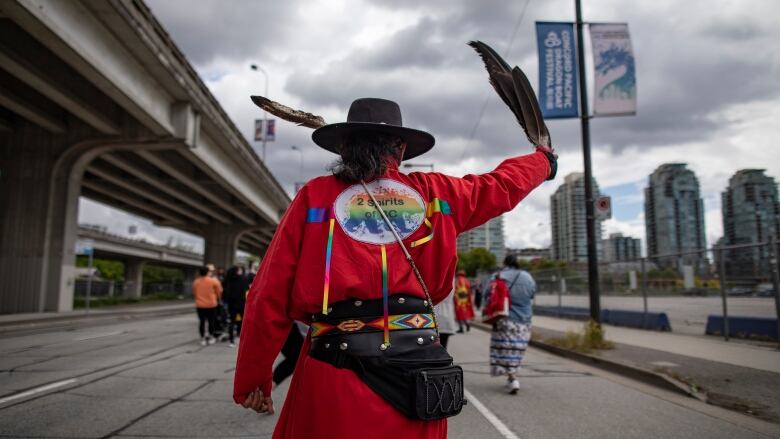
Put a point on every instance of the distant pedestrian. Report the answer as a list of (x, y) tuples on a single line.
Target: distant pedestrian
[(206, 290), (511, 334), (476, 289), (235, 286), (445, 317), (464, 306)]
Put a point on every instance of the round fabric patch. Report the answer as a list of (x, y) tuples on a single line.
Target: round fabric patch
[(360, 220)]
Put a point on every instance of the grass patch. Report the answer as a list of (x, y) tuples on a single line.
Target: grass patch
[(591, 338), (97, 302)]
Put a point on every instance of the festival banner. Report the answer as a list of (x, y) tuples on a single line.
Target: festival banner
[(258, 130), (558, 93), (270, 130), (614, 90)]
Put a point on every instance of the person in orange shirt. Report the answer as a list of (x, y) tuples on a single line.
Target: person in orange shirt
[(206, 290)]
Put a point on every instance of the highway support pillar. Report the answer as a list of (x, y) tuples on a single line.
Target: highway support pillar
[(221, 244), (134, 277)]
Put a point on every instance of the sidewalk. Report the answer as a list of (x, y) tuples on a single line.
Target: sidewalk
[(13, 322), (702, 347), (739, 376)]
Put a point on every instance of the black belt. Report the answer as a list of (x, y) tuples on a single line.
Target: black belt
[(355, 327), (414, 374)]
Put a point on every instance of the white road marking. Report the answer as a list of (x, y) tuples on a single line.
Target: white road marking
[(492, 418), (37, 390), (90, 337), (664, 364)]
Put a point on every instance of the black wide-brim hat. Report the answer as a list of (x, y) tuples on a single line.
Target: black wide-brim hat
[(378, 116)]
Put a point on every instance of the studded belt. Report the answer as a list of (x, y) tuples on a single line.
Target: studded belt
[(355, 327), (372, 324)]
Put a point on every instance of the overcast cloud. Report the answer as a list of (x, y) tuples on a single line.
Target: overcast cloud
[(706, 73)]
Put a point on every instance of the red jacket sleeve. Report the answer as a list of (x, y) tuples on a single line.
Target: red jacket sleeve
[(475, 199), (266, 321)]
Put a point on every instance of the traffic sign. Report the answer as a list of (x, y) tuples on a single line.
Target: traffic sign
[(603, 207), (84, 247)]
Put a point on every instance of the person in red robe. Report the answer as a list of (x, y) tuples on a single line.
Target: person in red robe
[(330, 246), (464, 305)]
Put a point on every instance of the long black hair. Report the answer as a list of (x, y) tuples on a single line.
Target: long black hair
[(365, 155)]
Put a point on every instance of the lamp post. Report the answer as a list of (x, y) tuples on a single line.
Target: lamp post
[(590, 215), (298, 184), (295, 148), (257, 68), (419, 165)]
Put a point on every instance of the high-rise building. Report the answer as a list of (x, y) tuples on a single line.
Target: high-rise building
[(489, 236), (619, 248), (751, 215), (674, 215), (569, 229)]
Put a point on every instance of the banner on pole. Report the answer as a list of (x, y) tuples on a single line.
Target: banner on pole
[(558, 80), (614, 90), (258, 130), (270, 130)]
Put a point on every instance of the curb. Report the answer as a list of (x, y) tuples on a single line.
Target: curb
[(629, 371), (41, 323)]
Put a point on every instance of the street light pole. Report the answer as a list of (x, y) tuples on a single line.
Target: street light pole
[(256, 68), (593, 264), (295, 148)]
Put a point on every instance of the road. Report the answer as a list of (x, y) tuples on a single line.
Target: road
[(688, 315), (152, 379)]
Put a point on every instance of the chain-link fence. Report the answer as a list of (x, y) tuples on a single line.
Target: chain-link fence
[(725, 281), (110, 288)]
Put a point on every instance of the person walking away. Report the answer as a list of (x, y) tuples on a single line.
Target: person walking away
[(445, 317), (234, 296), (510, 336), (333, 263), (464, 307), (476, 290), (206, 290)]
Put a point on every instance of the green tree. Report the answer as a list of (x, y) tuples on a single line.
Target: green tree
[(475, 260), (156, 273), (108, 269)]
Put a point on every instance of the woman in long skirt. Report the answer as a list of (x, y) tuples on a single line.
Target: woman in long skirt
[(511, 334)]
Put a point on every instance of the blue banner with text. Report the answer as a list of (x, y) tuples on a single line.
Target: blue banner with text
[(558, 81)]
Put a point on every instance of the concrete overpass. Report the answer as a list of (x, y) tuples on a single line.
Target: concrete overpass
[(96, 100), (135, 254)]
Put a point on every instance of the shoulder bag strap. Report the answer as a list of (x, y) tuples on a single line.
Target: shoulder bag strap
[(513, 282), (406, 254)]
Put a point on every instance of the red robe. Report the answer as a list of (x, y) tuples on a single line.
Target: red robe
[(464, 306), (430, 210)]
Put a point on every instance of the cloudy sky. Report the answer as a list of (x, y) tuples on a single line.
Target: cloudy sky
[(707, 78)]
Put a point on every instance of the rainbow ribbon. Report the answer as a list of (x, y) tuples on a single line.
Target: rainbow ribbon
[(424, 239), (438, 205), (435, 206), (384, 297), (328, 252)]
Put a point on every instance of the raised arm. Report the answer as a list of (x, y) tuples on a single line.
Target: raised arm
[(475, 199)]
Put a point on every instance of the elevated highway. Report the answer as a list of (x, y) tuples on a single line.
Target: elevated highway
[(135, 254), (96, 100)]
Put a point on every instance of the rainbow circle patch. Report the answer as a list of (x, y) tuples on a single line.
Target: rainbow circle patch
[(361, 221)]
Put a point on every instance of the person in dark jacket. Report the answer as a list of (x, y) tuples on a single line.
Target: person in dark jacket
[(234, 296)]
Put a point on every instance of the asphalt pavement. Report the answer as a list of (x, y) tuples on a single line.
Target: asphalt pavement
[(151, 379)]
